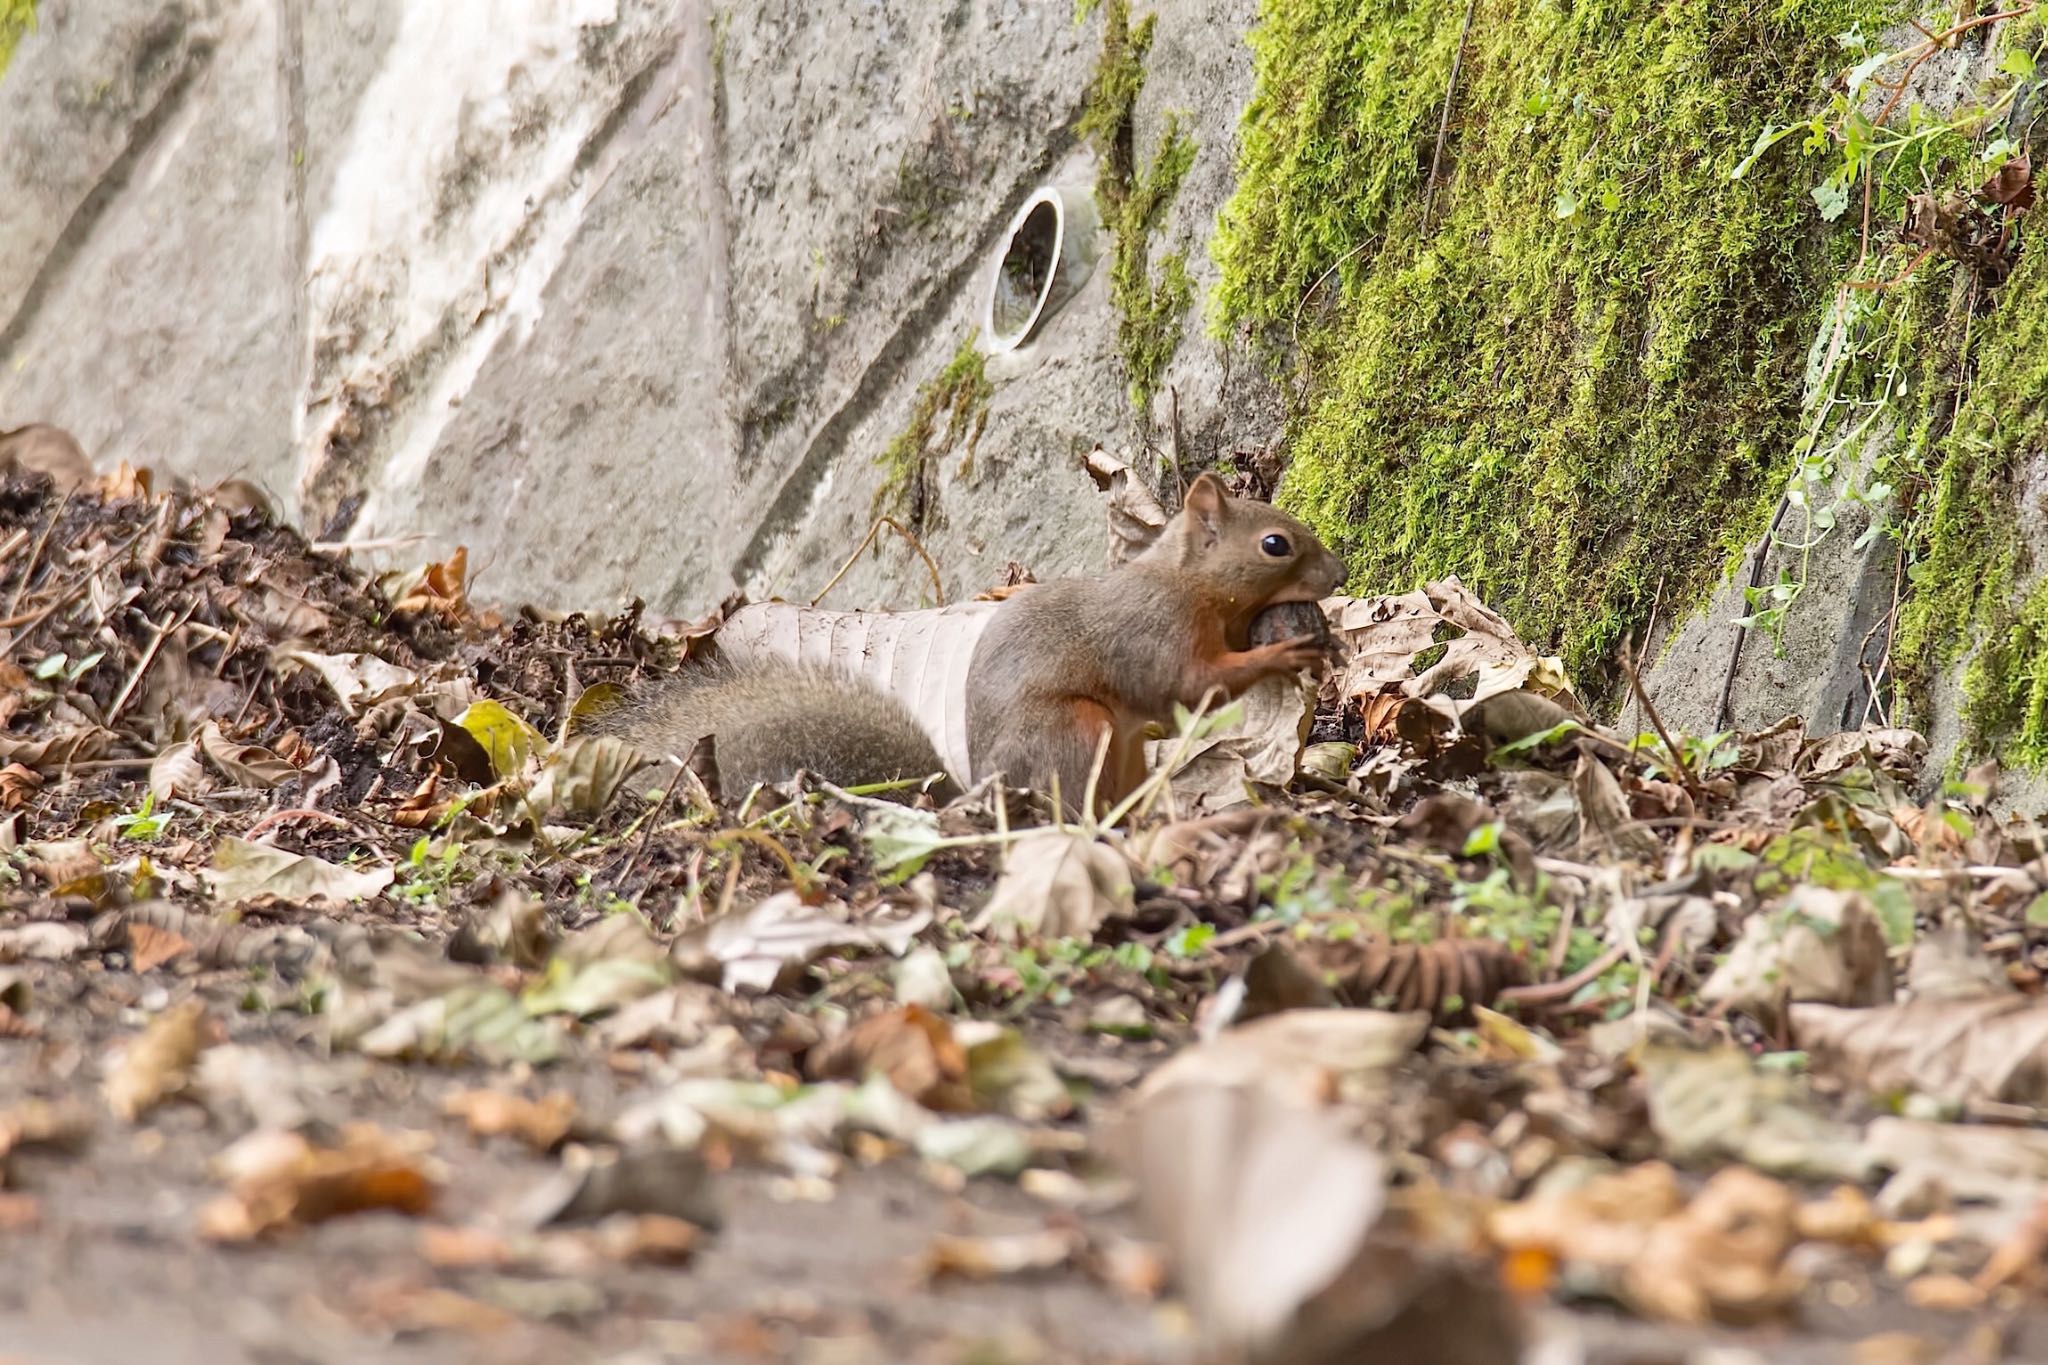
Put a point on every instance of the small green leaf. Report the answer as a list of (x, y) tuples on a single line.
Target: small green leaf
[(1567, 206), (1483, 840), (1860, 74), (50, 667), (2018, 63), (2037, 909)]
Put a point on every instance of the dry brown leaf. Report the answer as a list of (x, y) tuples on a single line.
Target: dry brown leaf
[(1985, 1050), (648, 1239), (1816, 945), (156, 1064), (911, 1046), (242, 871), (150, 947), (753, 949), (1263, 747), (541, 1124), (1258, 1195), (177, 771), (1135, 516), (19, 1212), (17, 784), (280, 1179), (52, 753), (989, 1258), (1056, 883)]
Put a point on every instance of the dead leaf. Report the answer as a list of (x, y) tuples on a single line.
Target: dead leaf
[(358, 681), (911, 1046), (249, 766), (1056, 883), (1306, 1052), (753, 949), (541, 1124), (1263, 747), (1135, 516), (280, 1179), (150, 947), (1285, 1196), (1815, 946), (242, 871), (2012, 184), (43, 941), (579, 779), (1716, 1104), (1987, 1050), (17, 784), (989, 1258), (156, 1064), (177, 771)]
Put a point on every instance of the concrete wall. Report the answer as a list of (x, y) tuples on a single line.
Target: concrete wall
[(626, 295)]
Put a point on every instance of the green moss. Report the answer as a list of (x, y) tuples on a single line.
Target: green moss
[(1133, 200), (17, 19), (1970, 557), (961, 391), (1583, 377)]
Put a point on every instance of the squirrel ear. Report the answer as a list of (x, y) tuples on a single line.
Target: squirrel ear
[(1204, 506)]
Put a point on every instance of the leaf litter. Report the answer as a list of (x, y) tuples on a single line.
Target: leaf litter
[(1432, 1012)]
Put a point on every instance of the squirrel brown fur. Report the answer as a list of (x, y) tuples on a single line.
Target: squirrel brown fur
[(769, 719), (1062, 665)]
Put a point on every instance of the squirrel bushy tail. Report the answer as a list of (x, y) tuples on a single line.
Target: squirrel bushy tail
[(770, 719)]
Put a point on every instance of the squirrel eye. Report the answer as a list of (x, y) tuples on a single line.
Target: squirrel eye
[(1276, 545)]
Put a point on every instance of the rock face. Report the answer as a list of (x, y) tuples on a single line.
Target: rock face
[(626, 296)]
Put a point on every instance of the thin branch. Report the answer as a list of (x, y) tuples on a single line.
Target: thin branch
[(938, 592), (1443, 123)]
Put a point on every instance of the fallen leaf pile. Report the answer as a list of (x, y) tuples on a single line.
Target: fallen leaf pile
[(1390, 1019)]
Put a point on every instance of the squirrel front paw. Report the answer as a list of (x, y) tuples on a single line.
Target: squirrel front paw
[(1291, 656)]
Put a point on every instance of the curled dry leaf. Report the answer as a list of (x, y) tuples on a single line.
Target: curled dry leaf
[(1816, 945), (280, 1179), (1986, 1050), (1056, 883), (754, 948), (1135, 515), (1259, 1198), (1263, 746), (989, 1258), (150, 947), (242, 871), (157, 1064), (1305, 1052), (580, 779), (43, 940), (18, 783), (912, 1047), (177, 771), (358, 681)]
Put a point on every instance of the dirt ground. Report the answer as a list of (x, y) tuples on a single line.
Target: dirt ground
[(353, 1007)]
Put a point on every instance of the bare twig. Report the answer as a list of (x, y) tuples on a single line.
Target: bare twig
[(156, 642), (1756, 580), (1443, 123), (1684, 769), (938, 592), (35, 557)]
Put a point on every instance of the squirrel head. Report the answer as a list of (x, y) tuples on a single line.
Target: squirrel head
[(1243, 555)]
